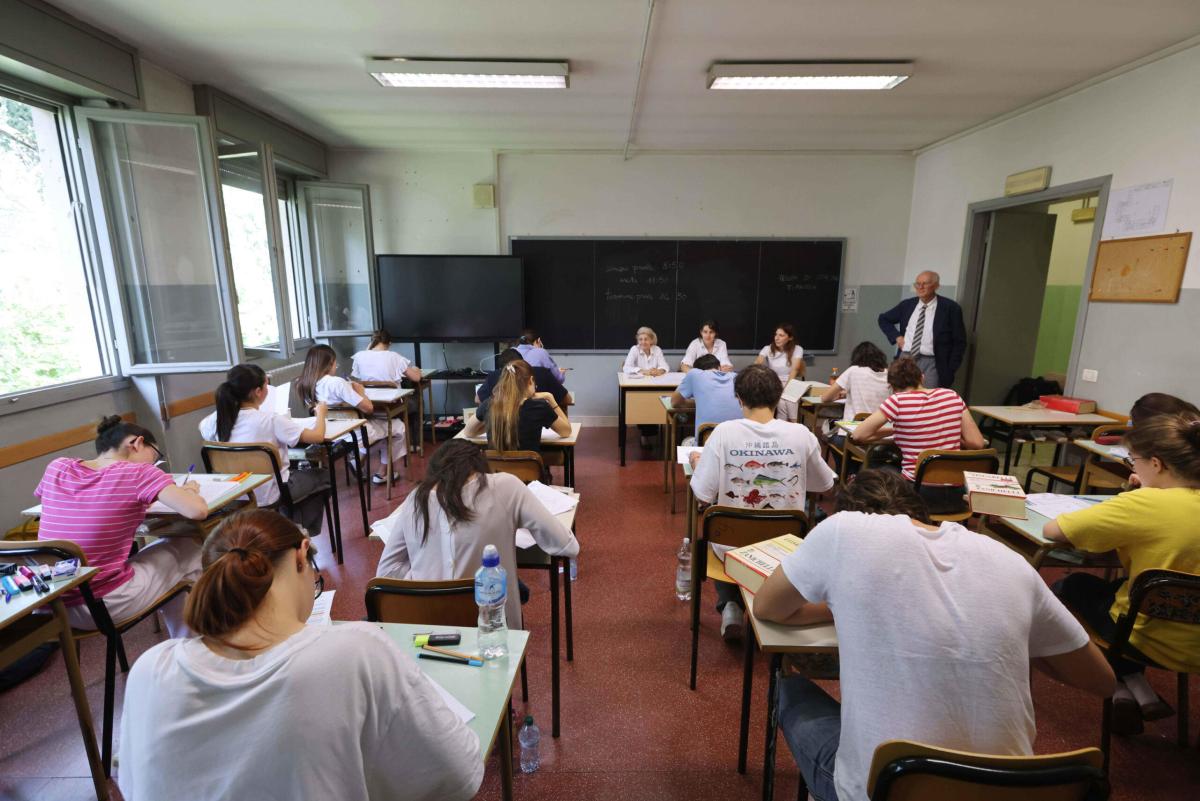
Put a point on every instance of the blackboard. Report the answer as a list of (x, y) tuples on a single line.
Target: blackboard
[(593, 294)]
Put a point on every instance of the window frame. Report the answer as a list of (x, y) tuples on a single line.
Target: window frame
[(310, 265), (96, 284)]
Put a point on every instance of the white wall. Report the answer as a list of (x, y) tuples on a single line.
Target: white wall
[(421, 202), (1139, 127)]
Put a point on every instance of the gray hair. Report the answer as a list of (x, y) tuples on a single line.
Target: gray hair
[(937, 279), (645, 329)]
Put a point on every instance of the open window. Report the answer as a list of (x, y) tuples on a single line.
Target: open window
[(338, 251)]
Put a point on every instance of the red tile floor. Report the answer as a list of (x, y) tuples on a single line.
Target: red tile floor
[(631, 728)]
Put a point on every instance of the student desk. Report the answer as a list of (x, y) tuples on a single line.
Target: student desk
[(813, 410), (853, 450), (534, 558), (1025, 537), (245, 487), (638, 402), (486, 691), (672, 439), (1012, 417), (550, 441), (21, 631), (776, 640), (335, 430), (390, 403)]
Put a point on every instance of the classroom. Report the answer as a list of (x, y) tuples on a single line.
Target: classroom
[(643, 399)]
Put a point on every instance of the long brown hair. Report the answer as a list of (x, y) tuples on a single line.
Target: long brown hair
[(1156, 403), (240, 559), (505, 411), (240, 381), (317, 364), (790, 347), (448, 472), (881, 492), (1174, 439)]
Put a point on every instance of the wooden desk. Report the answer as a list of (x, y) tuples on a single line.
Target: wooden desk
[(672, 439), (1025, 537), (21, 631), (776, 640), (335, 430), (638, 404), (550, 441), (534, 558), (486, 691), (245, 487), (389, 404), (1013, 416)]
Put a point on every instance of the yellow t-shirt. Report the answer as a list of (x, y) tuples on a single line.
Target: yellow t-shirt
[(1148, 528)]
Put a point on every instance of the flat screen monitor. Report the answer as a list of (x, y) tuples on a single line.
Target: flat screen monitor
[(451, 298)]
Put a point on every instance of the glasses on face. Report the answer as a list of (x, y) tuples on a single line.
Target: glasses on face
[(920, 284), (319, 581), (158, 455)]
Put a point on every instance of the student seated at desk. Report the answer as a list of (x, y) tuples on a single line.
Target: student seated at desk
[(441, 529), (646, 357), (379, 363), (1149, 405), (319, 383), (783, 355), (757, 462), (922, 419), (863, 385), (707, 344), (516, 412), (1150, 528), (99, 503), (914, 667), (261, 705), (712, 391), (543, 379), (240, 418), (534, 352)]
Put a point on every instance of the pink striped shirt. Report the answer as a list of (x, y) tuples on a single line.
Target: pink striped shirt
[(924, 421), (100, 510)]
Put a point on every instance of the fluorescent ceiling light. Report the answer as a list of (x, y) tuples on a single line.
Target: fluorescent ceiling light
[(438, 73), (830, 76)]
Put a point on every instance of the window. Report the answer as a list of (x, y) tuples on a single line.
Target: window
[(340, 256), (250, 248), (297, 295), (48, 322)]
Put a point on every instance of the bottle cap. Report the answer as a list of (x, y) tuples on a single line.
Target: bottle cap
[(491, 556), (529, 720)]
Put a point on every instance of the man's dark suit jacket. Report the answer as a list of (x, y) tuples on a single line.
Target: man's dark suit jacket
[(949, 334)]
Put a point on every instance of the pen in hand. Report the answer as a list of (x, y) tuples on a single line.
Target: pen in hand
[(191, 469)]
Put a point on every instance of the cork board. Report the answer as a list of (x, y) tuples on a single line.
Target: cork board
[(1142, 269)]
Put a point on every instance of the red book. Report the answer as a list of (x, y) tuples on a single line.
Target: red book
[(1062, 403)]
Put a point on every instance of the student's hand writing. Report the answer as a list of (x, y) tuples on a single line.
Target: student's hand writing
[(193, 486)]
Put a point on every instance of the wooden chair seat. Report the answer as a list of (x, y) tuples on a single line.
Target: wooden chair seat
[(433, 603)]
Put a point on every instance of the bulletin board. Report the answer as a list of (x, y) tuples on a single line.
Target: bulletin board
[(1142, 269)]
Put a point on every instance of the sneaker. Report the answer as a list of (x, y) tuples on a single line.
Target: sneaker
[(381, 479), (733, 620)]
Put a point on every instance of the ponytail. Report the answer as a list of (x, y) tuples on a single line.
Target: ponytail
[(380, 337), (317, 364), (1174, 439), (240, 381), (239, 560), (112, 431), (505, 411)]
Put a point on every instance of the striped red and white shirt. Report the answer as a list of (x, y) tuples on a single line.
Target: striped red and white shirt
[(100, 510), (924, 421)]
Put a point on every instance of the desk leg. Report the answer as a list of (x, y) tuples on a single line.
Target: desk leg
[(364, 499), (672, 437), (747, 688), (567, 608), (432, 419), (79, 694), (1009, 447), (772, 729), (391, 467), (621, 423), (335, 536), (554, 645), (506, 753)]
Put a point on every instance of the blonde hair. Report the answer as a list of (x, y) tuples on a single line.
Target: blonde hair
[(648, 331), (511, 391)]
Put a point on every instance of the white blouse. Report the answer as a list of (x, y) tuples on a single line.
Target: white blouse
[(638, 360), (779, 361), (379, 365), (696, 349)]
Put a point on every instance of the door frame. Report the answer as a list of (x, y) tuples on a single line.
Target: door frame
[(975, 245)]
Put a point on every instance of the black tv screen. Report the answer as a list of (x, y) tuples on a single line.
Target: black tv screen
[(451, 298)]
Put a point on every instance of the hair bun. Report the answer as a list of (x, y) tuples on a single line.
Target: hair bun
[(108, 423), (1193, 432)]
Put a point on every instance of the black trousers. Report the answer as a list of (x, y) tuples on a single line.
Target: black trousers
[(1090, 597)]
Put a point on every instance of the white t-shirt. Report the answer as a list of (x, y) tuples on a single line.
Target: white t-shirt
[(779, 362), (696, 349), (865, 389), (335, 391), (260, 425), (935, 633), (926, 332), (379, 365), (331, 712), (761, 465), (637, 360)]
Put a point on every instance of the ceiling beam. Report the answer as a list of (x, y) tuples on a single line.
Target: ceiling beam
[(637, 86)]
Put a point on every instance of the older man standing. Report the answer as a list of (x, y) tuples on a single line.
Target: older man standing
[(929, 328)]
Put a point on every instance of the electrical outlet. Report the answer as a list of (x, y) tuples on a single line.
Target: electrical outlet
[(1090, 375)]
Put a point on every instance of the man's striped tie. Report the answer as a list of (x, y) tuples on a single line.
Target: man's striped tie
[(915, 347)]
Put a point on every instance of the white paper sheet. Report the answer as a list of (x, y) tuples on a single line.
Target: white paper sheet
[(683, 453), (383, 394), (211, 488), (1052, 505), (1138, 210), (556, 502), (279, 398), (322, 607), (1117, 452), (456, 706)]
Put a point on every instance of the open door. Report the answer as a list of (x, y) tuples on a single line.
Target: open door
[(1008, 311)]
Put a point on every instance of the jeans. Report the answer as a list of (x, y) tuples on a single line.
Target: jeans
[(727, 594), (811, 722)]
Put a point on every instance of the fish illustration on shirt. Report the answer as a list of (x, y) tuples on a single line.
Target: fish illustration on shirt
[(753, 465), (762, 480), (754, 497)]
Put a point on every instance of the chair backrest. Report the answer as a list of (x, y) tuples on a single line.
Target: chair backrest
[(382, 384), (243, 457), (433, 603), (946, 467), (42, 551), (1109, 428), (1170, 595), (729, 525), (525, 465), (908, 771), (703, 433)]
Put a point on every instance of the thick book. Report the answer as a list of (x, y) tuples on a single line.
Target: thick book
[(750, 566), (795, 390), (992, 494), (1064, 403)]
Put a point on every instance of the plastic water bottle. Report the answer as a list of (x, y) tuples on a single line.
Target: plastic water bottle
[(491, 591), (574, 569), (683, 573), (529, 736)]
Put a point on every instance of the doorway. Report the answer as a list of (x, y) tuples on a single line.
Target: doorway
[(1026, 261)]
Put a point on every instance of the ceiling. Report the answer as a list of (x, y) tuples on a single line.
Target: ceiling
[(302, 60)]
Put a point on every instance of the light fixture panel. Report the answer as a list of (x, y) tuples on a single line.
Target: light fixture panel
[(810, 76), (447, 74)]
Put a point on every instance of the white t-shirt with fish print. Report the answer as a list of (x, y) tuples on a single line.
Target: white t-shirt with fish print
[(760, 466)]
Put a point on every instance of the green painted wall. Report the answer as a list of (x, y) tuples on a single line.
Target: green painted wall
[(1057, 329)]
